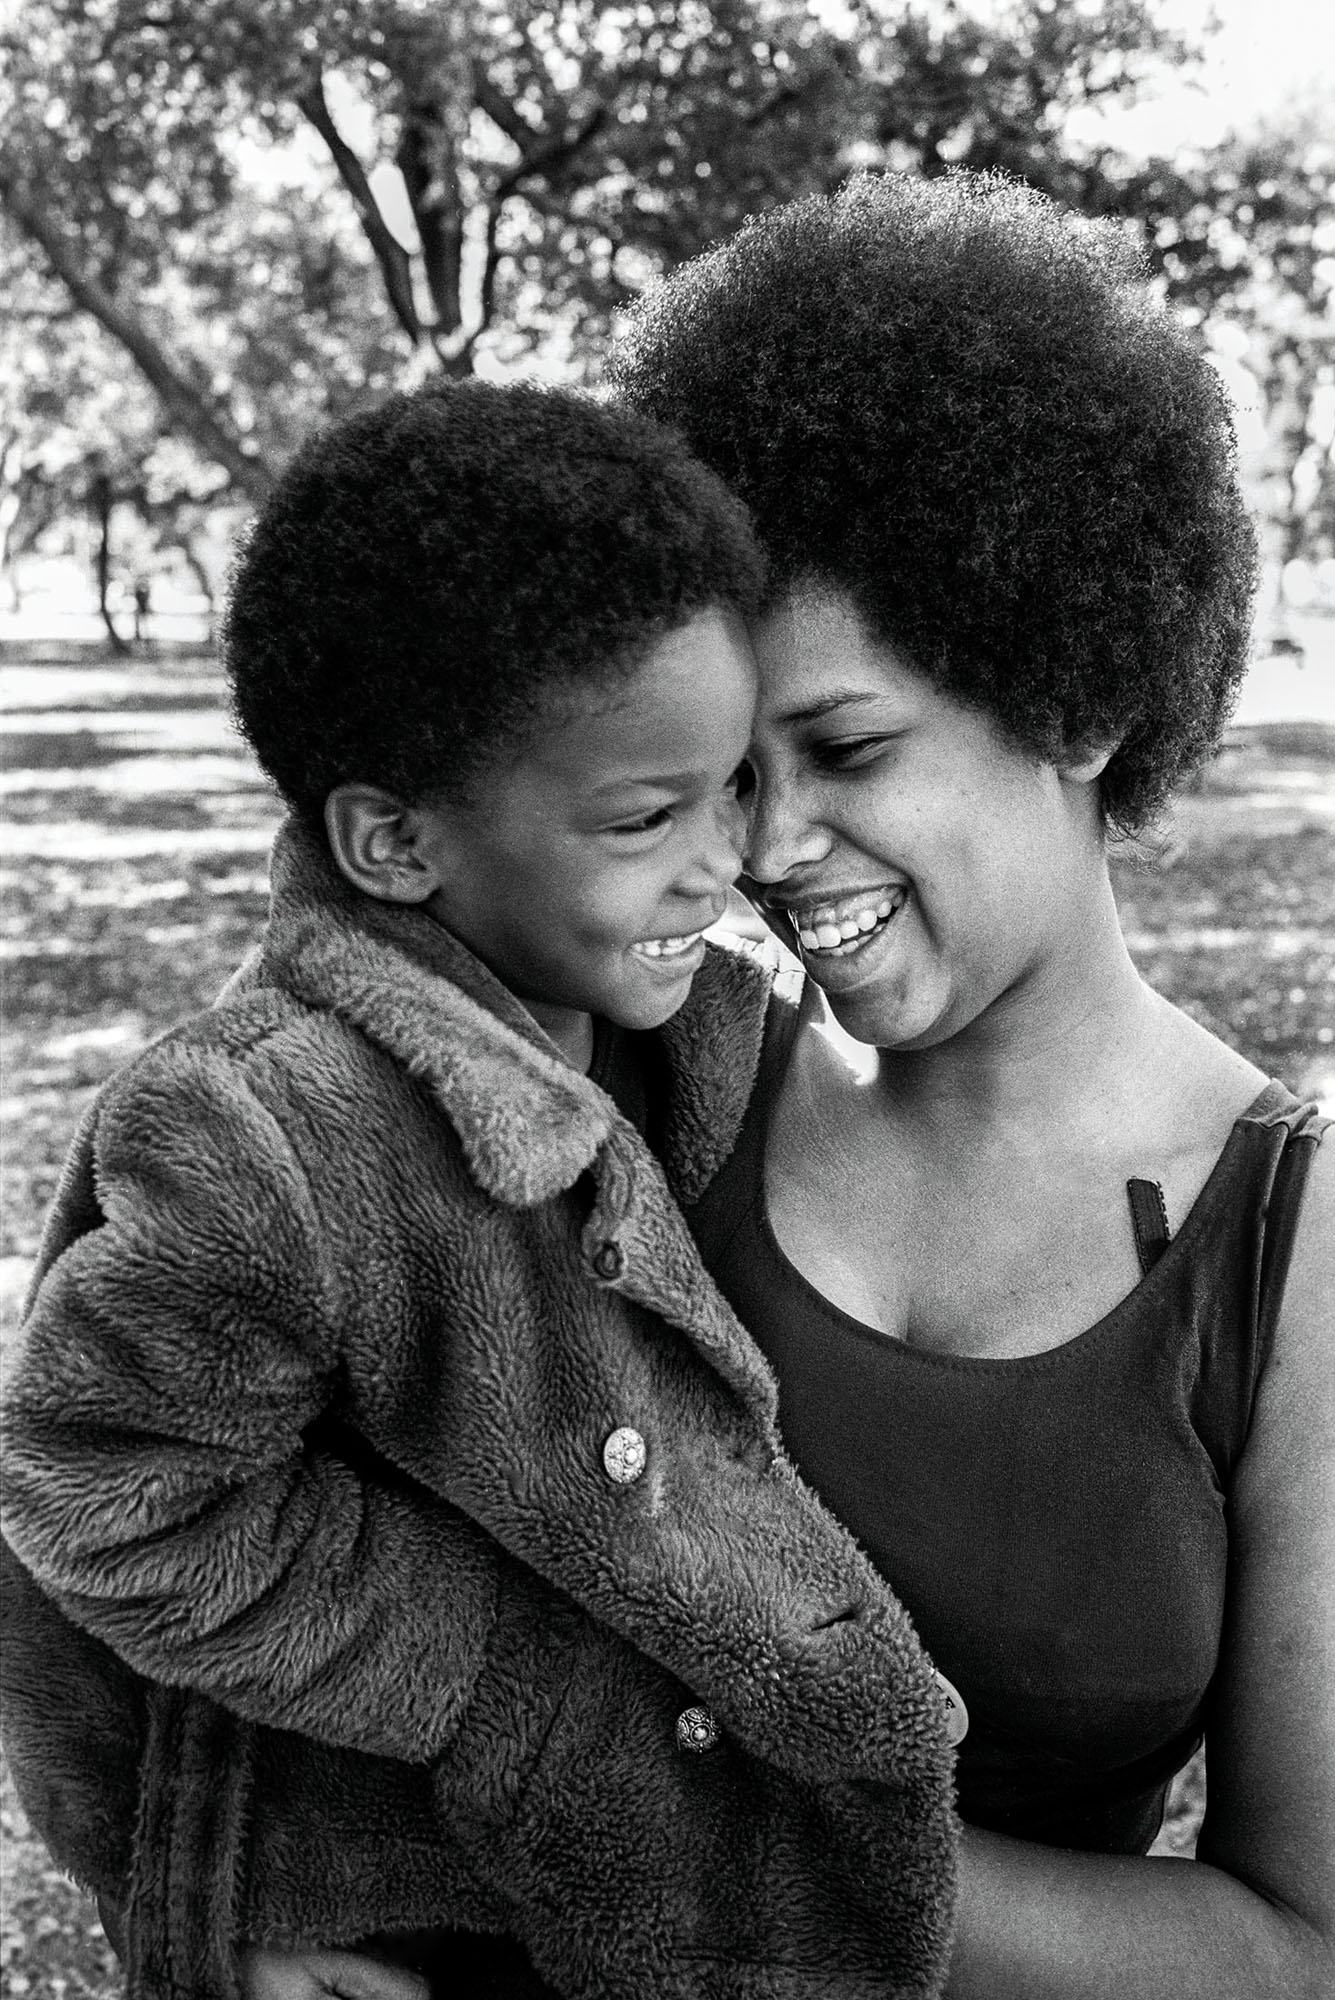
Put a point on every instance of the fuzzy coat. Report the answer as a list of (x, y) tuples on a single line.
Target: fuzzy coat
[(347, 1284)]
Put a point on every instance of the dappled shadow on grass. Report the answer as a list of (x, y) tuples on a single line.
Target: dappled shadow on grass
[(105, 957), (218, 803), (1239, 929), (51, 1943)]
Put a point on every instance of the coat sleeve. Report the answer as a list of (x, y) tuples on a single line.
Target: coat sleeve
[(171, 1474)]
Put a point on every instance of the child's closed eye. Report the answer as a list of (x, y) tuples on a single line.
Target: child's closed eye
[(647, 822)]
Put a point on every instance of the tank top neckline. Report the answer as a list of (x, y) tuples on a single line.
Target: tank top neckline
[(1273, 1099)]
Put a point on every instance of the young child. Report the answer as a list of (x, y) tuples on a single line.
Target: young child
[(404, 1544)]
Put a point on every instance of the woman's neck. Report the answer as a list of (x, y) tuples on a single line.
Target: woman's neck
[(1081, 1025)]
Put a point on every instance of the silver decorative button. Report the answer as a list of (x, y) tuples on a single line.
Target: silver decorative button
[(625, 1455), (957, 1715), (696, 1730)]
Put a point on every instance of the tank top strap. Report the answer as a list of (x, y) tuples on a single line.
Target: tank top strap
[(1302, 1126), (736, 1194), (785, 1008), (1229, 1287)]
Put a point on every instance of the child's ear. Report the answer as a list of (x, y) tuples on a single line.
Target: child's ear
[(375, 841), (1083, 762)]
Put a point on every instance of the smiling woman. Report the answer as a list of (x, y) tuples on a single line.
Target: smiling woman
[(923, 914), (1044, 1270)]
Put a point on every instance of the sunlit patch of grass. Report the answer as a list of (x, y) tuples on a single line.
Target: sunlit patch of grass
[(51, 1943), (1232, 914)]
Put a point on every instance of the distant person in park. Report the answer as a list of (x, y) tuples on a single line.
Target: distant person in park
[(143, 605), (405, 1567), (1046, 1272)]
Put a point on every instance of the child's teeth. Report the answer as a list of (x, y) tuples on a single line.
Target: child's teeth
[(668, 947), (828, 934)]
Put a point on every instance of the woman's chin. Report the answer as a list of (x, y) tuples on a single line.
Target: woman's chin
[(885, 1020)]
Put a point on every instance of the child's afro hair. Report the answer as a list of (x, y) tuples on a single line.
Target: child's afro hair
[(967, 410), (433, 576)]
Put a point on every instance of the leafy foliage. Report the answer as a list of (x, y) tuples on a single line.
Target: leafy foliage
[(548, 159), (268, 211)]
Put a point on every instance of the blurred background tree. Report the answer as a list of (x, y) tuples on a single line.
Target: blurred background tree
[(229, 219)]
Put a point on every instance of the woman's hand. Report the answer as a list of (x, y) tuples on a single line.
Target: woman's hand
[(315, 1974)]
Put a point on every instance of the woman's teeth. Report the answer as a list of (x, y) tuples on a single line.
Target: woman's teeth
[(844, 927), (671, 947)]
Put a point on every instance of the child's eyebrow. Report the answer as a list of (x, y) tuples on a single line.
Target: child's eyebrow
[(663, 781)]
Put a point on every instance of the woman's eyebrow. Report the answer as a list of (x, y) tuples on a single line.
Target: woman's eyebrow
[(848, 698)]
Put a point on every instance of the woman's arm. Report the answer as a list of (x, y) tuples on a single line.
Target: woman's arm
[(1253, 1918)]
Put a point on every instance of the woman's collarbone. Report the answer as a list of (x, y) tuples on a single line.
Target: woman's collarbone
[(972, 1263)]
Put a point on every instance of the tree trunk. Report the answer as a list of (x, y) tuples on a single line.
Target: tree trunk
[(431, 60), (187, 407), (100, 494), (396, 270)]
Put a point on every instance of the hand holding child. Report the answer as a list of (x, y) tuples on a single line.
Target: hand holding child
[(317, 1974)]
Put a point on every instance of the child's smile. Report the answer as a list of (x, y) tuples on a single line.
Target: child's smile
[(673, 949), (585, 871)]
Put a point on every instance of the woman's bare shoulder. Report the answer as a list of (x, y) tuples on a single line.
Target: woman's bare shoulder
[(1190, 1091), (1272, 1745), (1201, 1074), (1296, 1402)]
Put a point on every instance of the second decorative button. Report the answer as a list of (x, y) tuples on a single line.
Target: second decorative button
[(696, 1730), (624, 1456)]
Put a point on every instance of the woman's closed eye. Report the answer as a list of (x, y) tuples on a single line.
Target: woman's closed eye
[(849, 753)]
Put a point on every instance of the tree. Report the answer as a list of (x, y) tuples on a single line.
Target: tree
[(212, 182), (90, 464), (1250, 243)]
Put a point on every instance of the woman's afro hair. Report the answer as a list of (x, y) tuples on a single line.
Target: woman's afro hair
[(967, 410), (432, 576)]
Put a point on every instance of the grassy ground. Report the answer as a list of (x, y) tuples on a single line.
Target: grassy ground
[(133, 878)]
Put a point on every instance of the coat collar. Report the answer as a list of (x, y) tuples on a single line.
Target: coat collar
[(529, 1123)]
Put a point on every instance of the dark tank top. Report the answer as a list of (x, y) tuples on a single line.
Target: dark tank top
[(1055, 1524)]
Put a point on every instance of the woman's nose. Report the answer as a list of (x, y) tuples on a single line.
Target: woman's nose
[(781, 835)]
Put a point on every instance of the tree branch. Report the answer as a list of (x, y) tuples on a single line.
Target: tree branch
[(551, 153), (394, 261), (426, 158), (184, 402), (500, 110)]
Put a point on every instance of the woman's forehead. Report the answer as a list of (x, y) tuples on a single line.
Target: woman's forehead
[(815, 654)]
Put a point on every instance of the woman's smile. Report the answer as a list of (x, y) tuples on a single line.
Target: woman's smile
[(842, 926)]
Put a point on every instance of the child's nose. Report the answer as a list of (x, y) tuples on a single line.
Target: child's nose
[(719, 862)]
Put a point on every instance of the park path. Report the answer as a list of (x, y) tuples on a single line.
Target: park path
[(134, 833)]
